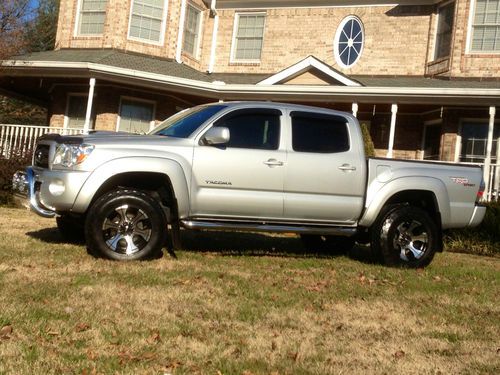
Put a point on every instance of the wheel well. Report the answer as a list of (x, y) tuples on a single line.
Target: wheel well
[(157, 184)]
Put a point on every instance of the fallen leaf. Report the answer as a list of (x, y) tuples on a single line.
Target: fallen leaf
[(293, 356), (53, 333), (399, 354), (5, 332), (155, 337), (274, 346), (437, 278), (81, 327)]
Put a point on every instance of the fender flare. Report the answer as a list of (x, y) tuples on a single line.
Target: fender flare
[(168, 167)]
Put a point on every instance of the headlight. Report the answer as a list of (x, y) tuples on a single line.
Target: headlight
[(71, 155)]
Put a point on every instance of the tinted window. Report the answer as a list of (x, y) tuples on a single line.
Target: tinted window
[(319, 133), (183, 124), (253, 129)]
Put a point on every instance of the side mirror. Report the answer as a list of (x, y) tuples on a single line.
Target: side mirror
[(216, 136)]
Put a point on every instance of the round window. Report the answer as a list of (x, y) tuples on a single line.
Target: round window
[(348, 44)]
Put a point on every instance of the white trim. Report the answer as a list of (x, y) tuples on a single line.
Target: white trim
[(180, 33), (355, 109), (90, 101), (138, 100), (217, 88), (390, 147), (302, 67), (232, 58), (161, 42), (199, 37), (340, 28)]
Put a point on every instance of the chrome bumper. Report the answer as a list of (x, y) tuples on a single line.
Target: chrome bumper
[(23, 184)]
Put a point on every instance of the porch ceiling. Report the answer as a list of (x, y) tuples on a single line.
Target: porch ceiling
[(166, 75)]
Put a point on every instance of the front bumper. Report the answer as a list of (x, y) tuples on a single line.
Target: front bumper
[(477, 216), (23, 184)]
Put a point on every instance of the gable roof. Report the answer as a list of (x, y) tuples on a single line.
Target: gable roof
[(309, 64)]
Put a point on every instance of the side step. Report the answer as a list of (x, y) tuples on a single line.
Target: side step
[(265, 227)]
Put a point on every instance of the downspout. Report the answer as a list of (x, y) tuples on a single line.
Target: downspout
[(182, 20), (213, 12)]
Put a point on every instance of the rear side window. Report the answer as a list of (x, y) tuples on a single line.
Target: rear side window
[(319, 133), (253, 128)]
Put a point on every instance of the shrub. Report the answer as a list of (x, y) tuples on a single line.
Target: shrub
[(7, 169), (483, 240), (367, 140)]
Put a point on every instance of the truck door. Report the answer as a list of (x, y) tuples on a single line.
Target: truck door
[(325, 173), (243, 178)]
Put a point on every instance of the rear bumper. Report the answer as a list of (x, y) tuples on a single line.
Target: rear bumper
[(23, 184), (477, 216)]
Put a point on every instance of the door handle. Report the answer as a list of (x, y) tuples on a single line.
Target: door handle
[(273, 163), (347, 167)]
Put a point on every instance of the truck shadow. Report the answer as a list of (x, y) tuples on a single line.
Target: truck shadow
[(233, 244)]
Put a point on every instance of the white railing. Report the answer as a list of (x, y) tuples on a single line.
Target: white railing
[(492, 184), (20, 140)]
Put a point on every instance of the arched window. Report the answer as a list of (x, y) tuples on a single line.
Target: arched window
[(349, 40)]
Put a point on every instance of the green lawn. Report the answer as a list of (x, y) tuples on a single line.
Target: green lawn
[(238, 304)]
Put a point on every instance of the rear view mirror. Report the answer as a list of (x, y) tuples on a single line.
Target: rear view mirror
[(216, 136)]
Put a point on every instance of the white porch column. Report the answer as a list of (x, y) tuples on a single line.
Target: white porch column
[(355, 109), (90, 101), (394, 111), (180, 33), (489, 146)]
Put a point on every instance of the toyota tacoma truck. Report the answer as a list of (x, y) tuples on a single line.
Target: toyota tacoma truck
[(248, 166)]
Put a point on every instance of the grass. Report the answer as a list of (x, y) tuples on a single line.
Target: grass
[(238, 304)]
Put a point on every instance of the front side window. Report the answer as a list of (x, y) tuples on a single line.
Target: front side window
[(191, 30), (486, 26), (319, 133), (444, 33), (135, 117), (147, 20), (249, 36), (254, 129), (348, 43), (92, 16)]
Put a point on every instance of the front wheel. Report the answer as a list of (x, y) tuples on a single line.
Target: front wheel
[(406, 236), (126, 225)]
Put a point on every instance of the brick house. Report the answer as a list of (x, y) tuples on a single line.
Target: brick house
[(423, 74)]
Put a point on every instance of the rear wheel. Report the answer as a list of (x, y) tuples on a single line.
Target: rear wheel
[(405, 235), (126, 225)]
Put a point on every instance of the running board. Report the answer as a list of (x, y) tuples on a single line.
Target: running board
[(255, 227)]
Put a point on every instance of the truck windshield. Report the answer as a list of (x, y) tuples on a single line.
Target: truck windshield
[(183, 124)]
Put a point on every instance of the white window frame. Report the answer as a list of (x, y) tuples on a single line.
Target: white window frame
[(471, 120), (76, 32), (237, 15), (336, 39), (138, 100), (161, 42), (197, 46), (468, 42), (66, 112)]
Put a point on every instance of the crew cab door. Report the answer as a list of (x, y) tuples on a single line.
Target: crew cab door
[(243, 178), (326, 170)]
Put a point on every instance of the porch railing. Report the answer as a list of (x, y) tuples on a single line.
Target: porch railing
[(19, 140)]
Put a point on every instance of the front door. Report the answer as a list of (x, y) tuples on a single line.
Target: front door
[(242, 179)]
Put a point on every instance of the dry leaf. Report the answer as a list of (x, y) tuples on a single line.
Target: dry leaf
[(5, 332), (399, 354), (80, 327)]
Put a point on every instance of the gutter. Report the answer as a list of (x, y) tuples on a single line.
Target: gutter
[(305, 92)]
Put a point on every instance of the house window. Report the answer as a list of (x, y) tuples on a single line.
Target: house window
[(486, 26), (444, 32), (76, 112), (91, 17), (474, 141), (249, 35), (192, 30), (147, 20), (136, 116), (349, 40)]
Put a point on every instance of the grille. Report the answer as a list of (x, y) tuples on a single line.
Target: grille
[(41, 156)]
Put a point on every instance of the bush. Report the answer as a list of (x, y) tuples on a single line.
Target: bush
[(7, 169), (367, 140), (482, 240)]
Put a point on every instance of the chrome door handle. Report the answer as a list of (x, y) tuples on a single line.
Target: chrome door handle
[(273, 163), (347, 167)]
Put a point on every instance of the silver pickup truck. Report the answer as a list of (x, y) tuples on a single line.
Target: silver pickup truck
[(248, 166)]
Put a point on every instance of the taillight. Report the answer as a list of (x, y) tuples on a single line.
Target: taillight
[(480, 193)]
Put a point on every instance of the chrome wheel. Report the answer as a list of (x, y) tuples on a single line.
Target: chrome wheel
[(412, 240), (127, 230)]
